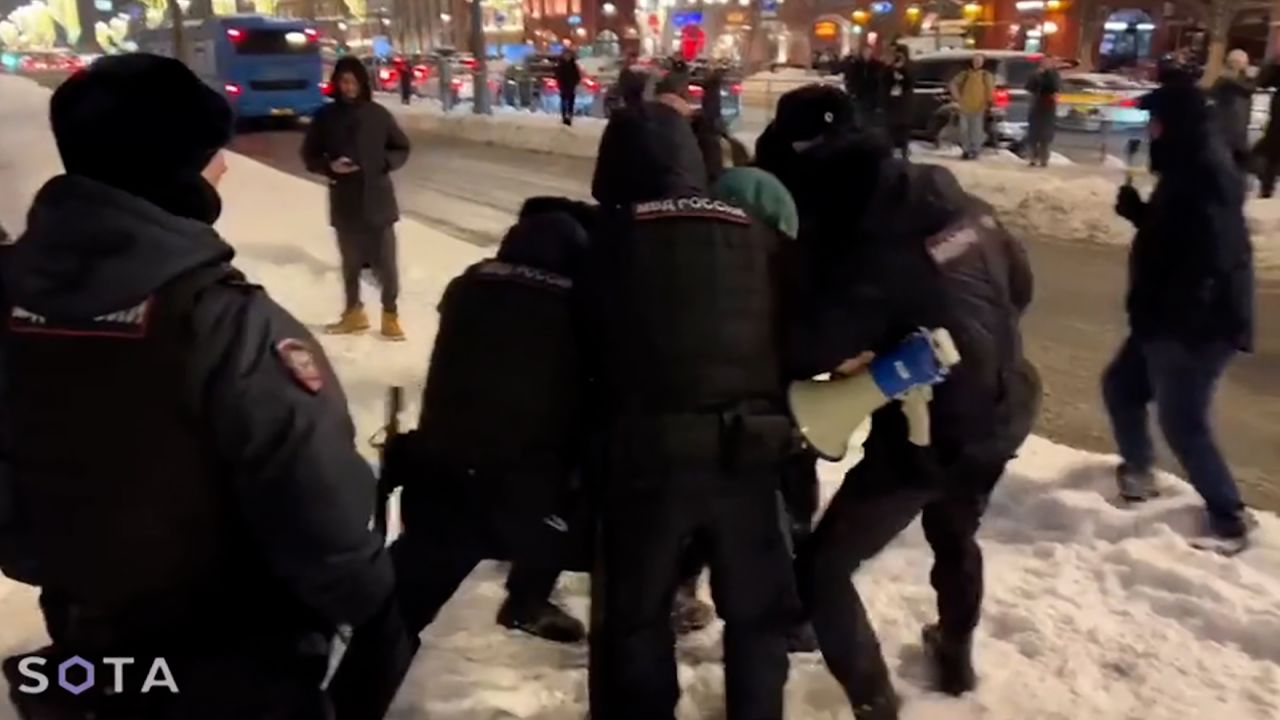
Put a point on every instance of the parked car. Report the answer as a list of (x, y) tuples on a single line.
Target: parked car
[(1090, 100), (932, 109)]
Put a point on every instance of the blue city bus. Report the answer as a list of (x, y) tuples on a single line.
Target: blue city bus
[(266, 67)]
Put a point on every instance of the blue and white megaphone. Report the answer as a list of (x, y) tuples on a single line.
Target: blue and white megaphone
[(828, 411)]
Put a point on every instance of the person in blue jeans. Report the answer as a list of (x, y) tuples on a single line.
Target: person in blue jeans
[(1190, 306)]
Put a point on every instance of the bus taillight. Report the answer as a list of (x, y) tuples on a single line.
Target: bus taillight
[(232, 89), (235, 35)]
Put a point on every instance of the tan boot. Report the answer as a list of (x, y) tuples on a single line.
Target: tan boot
[(391, 329), (353, 321)]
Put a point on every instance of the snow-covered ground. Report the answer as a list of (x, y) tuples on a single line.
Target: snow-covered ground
[(1092, 611), (1065, 202)]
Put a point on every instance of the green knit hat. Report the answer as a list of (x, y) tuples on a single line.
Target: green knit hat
[(761, 194)]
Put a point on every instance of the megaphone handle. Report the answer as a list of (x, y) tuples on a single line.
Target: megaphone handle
[(915, 405)]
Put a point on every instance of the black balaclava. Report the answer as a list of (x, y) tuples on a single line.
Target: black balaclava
[(146, 125), (1185, 133)]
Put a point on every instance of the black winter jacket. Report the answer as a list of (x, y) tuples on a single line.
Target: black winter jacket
[(1044, 87), (506, 382), (899, 88), (688, 295), (368, 134), (862, 80), (916, 251), (1191, 264), (284, 454)]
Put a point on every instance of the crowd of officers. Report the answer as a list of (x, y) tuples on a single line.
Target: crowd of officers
[(607, 393)]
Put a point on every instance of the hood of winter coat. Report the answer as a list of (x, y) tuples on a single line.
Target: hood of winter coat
[(549, 240), (352, 65), (1189, 151), (655, 155), (90, 249)]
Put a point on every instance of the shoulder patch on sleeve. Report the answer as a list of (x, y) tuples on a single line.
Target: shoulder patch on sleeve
[(299, 360)]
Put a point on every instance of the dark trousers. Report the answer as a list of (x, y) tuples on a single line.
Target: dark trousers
[(1270, 168), (374, 248), (647, 525), (880, 497), (568, 101), (1039, 140), (447, 532), (1180, 380)]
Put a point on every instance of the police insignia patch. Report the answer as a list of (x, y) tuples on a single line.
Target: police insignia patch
[(300, 361)]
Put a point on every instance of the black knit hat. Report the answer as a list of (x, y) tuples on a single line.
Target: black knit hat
[(144, 124), (810, 112)]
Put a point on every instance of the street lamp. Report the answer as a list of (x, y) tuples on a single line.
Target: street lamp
[(1053, 5), (610, 9), (860, 16), (972, 11), (1049, 27), (913, 13)]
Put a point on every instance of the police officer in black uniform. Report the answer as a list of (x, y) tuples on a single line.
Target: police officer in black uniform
[(891, 247), (491, 470), (687, 294), (179, 473)]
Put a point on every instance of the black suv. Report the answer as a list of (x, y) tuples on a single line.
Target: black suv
[(931, 110)]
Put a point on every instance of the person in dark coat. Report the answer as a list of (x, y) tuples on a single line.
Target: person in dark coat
[(1268, 148), (1042, 121), (863, 77), (1190, 306), (356, 144), (221, 522), (694, 425), (475, 488), (899, 89), (891, 247), (1232, 95), (406, 80), (568, 77)]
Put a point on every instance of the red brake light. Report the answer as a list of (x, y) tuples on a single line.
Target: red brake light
[(232, 89), (1128, 102), (235, 34), (469, 62), (551, 84), (325, 87), (696, 90), (420, 72), (736, 88), (456, 83), (311, 33), (1001, 98), (384, 74), (590, 84)]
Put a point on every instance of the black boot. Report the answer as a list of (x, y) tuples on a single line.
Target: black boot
[(802, 639), (544, 619), (952, 661), (884, 707), (688, 612)]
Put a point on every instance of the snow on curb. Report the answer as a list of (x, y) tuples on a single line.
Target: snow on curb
[(1091, 611), (518, 129)]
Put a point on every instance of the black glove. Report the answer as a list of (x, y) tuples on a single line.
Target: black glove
[(1130, 205)]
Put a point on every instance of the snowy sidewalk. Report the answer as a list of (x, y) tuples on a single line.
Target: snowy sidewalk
[(1064, 203), (1092, 612)]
